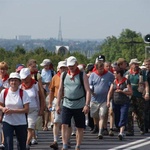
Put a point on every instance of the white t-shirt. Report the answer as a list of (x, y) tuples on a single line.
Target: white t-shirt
[(13, 101), (33, 95)]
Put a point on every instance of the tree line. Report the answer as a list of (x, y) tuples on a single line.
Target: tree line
[(128, 45)]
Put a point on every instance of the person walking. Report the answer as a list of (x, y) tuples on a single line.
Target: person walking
[(75, 101), (100, 81), (138, 98), (14, 102), (54, 86), (33, 67), (4, 76), (46, 74), (120, 90), (36, 106)]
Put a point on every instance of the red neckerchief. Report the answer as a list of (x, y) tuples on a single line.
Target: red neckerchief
[(118, 83), (5, 77), (31, 84), (104, 72), (34, 72), (111, 70), (133, 73), (77, 71), (94, 69), (58, 73)]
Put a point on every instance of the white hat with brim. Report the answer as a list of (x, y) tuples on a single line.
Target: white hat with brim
[(71, 61), (134, 61), (45, 62), (24, 73), (62, 64), (14, 75)]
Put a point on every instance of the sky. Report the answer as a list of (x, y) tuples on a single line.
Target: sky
[(80, 19)]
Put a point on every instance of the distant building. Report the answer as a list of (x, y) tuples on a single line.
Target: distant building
[(23, 37), (62, 49)]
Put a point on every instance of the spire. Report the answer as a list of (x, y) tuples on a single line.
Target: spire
[(60, 32)]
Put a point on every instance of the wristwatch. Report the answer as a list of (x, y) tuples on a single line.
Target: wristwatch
[(87, 105)]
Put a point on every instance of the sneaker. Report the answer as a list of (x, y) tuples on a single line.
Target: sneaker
[(100, 136), (2, 146), (142, 132), (54, 145), (111, 133), (120, 136), (105, 132), (69, 145), (77, 148), (34, 142), (27, 147), (73, 134), (95, 130), (146, 130), (130, 133)]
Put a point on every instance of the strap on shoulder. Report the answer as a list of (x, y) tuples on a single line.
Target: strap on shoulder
[(5, 93), (21, 93), (64, 75)]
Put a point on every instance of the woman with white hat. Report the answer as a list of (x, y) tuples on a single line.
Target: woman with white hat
[(14, 104)]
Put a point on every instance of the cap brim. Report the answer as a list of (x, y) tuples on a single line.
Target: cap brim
[(71, 64)]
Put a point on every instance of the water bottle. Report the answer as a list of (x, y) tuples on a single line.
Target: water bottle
[(52, 109)]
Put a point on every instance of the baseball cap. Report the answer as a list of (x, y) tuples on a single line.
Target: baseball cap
[(62, 64), (14, 75), (100, 58), (71, 61), (45, 62), (19, 68), (24, 73), (18, 65)]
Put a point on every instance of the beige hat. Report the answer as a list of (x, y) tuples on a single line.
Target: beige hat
[(71, 61), (134, 61), (120, 60), (45, 62), (14, 75), (62, 64)]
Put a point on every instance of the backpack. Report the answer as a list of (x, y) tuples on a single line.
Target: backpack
[(6, 92), (81, 79), (141, 84), (120, 98)]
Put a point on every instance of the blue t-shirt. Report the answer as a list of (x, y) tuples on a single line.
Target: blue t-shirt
[(100, 86)]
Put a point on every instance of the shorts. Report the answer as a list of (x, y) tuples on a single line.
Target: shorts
[(77, 114), (32, 117), (57, 117), (98, 109), (47, 101)]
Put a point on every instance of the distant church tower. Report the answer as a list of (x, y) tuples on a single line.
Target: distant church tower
[(60, 32)]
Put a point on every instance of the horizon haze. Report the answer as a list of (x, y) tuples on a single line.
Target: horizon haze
[(80, 19)]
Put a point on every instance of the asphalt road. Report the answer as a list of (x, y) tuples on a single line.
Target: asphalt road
[(91, 142)]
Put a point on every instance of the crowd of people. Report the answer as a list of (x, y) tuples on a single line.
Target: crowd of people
[(73, 97)]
